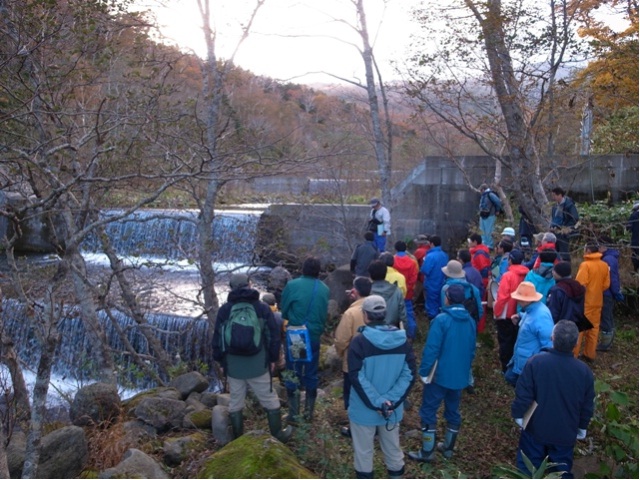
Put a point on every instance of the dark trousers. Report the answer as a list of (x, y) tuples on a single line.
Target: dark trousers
[(537, 452), (507, 334), (562, 247), (346, 389)]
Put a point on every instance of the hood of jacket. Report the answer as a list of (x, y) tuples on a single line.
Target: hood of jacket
[(385, 337), (545, 270), (571, 287), (458, 312), (611, 253), (243, 294), (519, 270), (593, 256), (384, 288)]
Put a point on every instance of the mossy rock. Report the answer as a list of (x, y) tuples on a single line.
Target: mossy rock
[(200, 419), (254, 455), (130, 404)]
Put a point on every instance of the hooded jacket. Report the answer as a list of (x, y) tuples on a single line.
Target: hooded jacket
[(610, 257), (299, 308), (242, 366), (396, 310), (534, 334), (593, 273), (452, 342), (363, 255), (542, 279), (566, 300), (408, 267), (433, 278), (351, 321), (505, 306), (382, 368)]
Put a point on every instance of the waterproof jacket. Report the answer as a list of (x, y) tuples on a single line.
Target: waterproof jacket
[(562, 386), (470, 291), (481, 261), (593, 273), (499, 265), (396, 278), (433, 278), (352, 319), (363, 255), (566, 300), (408, 267), (243, 366), (396, 310), (564, 214), (382, 368), (383, 217), (534, 334), (490, 202), (296, 298), (505, 306), (610, 257), (451, 341), (535, 258), (472, 275), (542, 279)]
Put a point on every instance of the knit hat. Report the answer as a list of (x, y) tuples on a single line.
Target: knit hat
[(455, 294), (239, 280), (563, 269), (526, 292), (509, 231), (453, 269), (516, 256), (374, 304)]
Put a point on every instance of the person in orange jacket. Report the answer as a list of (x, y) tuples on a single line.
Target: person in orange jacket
[(593, 273), (505, 307)]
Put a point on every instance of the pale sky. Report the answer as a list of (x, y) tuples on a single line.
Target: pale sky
[(270, 50)]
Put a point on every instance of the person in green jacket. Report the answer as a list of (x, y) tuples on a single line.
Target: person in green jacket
[(305, 301)]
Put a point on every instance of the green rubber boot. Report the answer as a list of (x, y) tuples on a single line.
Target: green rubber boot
[(428, 450), (275, 426), (310, 404), (237, 423), (446, 447), (293, 398)]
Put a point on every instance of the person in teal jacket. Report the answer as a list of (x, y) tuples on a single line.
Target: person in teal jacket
[(534, 333), (305, 301), (444, 369), (542, 277)]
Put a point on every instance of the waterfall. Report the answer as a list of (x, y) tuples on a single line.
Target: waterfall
[(172, 235)]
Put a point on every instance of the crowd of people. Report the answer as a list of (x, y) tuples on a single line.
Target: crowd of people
[(549, 326)]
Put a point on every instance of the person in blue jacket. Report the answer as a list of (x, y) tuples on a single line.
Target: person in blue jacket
[(611, 295), (435, 259), (534, 333), (444, 370), (382, 371), (542, 277), (559, 389)]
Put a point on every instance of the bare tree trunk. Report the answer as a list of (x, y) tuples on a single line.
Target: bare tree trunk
[(4, 465)]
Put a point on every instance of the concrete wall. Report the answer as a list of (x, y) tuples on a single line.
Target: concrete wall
[(435, 199)]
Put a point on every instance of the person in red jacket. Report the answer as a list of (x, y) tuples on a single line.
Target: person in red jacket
[(505, 306), (408, 267), (422, 247), (481, 261)]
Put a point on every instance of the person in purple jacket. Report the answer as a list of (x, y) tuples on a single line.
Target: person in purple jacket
[(559, 390)]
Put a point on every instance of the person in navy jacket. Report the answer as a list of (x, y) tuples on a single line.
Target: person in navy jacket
[(563, 391)]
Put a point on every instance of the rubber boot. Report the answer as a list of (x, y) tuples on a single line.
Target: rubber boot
[(309, 404), (428, 450), (395, 473), (237, 421), (606, 341), (364, 474), (293, 398), (275, 426), (446, 447)]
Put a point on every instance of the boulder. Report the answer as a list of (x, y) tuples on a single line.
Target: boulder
[(220, 424), (63, 454), (135, 464), (339, 281), (15, 453), (161, 413), (95, 404), (176, 450), (209, 399), (254, 455), (189, 382)]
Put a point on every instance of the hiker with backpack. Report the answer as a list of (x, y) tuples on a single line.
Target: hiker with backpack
[(490, 206), (246, 343)]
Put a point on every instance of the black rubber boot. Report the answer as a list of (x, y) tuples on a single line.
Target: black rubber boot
[(293, 398), (446, 447), (428, 450), (236, 419), (364, 474), (275, 426), (395, 473), (310, 404)]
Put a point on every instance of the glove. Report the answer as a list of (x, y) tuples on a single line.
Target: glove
[(582, 434), (619, 297), (518, 421)]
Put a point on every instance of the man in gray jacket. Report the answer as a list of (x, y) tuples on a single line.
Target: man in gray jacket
[(396, 311)]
